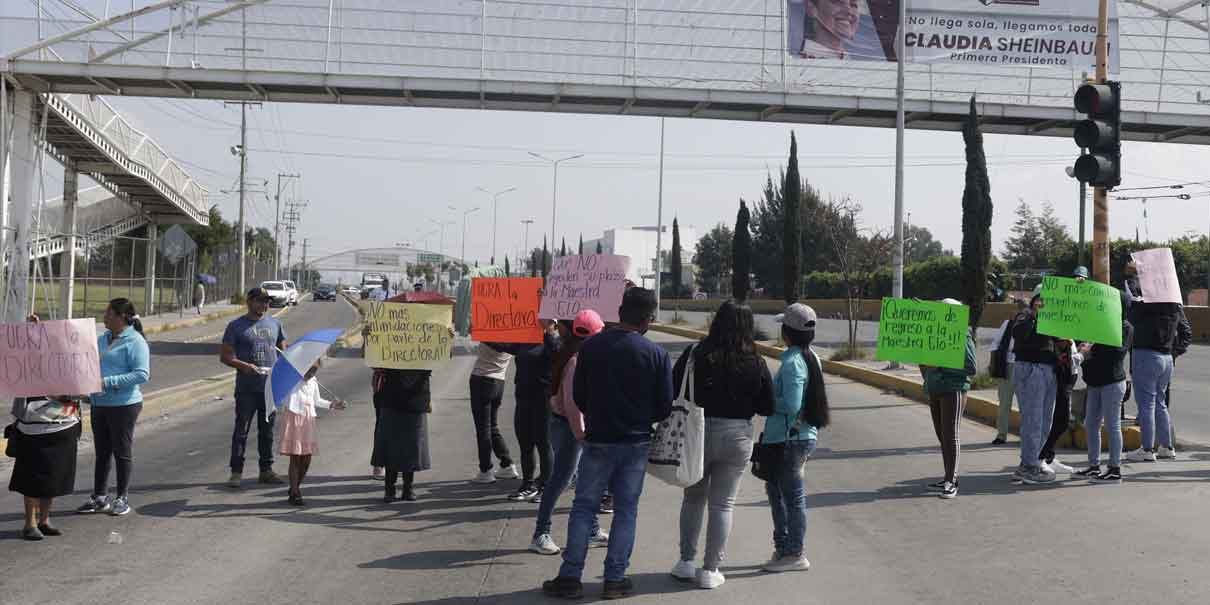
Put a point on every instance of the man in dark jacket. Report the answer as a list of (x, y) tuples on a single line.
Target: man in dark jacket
[(623, 385)]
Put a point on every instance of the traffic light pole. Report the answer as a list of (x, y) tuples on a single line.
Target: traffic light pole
[(1100, 196)]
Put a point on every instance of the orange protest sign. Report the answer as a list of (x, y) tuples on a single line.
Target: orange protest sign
[(505, 309)]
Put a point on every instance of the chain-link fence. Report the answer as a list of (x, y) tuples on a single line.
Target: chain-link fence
[(118, 269)]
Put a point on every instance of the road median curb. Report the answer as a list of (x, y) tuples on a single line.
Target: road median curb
[(978, 408)]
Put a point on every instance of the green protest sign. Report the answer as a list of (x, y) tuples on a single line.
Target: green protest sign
[(923, 332), (1086, 310)]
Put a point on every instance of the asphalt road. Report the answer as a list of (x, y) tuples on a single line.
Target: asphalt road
[(188, 354), (874, 536), (1190, 382)]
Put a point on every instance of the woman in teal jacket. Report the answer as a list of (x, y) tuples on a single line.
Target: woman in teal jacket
[(946, 389), (125, 364), (797, 430)]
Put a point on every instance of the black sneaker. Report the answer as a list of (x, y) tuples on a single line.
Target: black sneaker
[(949, 491), (606, 505), (563, 588), (1113, 475), (617, 590), (523, 493), (1091, 472), (936, 487), (999, 441)]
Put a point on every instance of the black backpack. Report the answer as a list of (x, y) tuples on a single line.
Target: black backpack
[(998, 367)]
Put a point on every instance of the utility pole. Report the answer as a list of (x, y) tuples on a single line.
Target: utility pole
[(242, 151), (305, 274), (659, 225), (277, 225), (1100, 197), (554, 188), (900, 124), (292, 217), (495, 199), (527, 222)]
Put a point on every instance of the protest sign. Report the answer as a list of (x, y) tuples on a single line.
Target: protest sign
[(505, 309), (50, 358), (594, 281), (1157, 276), (1085, 311), (923, 332), (408, 336)]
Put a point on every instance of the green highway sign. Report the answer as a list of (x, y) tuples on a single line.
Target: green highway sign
[(429, 258)]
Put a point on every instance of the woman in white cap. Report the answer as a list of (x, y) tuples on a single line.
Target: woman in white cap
[(800, 409), (946, 389)]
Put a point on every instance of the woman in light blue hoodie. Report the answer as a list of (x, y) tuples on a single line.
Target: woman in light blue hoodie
[(800, 409), (125, 364)]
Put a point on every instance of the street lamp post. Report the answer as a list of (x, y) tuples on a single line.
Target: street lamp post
[(495, 198), (464, 215), (525, 247), (441, 225), (554, 189)]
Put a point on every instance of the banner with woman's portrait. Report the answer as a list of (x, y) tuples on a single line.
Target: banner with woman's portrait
[(1059, 34)]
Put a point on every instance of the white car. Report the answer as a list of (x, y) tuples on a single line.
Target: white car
[(353, 290), (279, 296), (293, 290)]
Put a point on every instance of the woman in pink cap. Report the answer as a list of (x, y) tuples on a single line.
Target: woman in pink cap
[(566, 429)]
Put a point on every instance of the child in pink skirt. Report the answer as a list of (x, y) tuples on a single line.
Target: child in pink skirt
[(300, 435)]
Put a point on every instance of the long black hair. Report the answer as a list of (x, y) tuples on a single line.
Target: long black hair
[(122, 307), (571, 345), (731, 340), (815, 410)]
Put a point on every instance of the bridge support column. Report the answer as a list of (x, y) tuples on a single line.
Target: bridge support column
[(71, 191), (149, 279), (22, 176)]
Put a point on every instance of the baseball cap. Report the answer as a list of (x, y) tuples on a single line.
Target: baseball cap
[(798, 317), (587, 323), (1081, 271), (950, 301), (258, 294)]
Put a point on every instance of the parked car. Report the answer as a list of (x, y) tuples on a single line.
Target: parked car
[(293, 290), (324, 292), (279, 296)]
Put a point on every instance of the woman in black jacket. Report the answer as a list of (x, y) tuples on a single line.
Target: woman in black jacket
[(532, 417), (731, 383), (1105, 374), (401, 434)]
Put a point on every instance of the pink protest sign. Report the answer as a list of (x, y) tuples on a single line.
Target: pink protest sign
[(49, 358), (1157, 276), (591, 281)]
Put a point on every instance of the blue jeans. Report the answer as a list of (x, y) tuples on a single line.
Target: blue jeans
[(1104, 406), (620, 467), (566, 458), (1036, 386), (788, 499), (1151, 372)]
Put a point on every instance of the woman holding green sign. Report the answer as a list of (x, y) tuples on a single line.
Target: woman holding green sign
[(1035, 381), (946, 389)]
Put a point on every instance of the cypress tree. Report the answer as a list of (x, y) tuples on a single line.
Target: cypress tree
[(508, 272), (600, 250), (563, 248), (580, 250), (791, 227), (675, 262), (741, 254), (533, 264), (545, 259), (976, 219)]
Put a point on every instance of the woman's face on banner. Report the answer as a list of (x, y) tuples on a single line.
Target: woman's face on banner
[(840, 17)]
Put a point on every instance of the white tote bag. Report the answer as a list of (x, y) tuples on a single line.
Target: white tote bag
[(679, 443)]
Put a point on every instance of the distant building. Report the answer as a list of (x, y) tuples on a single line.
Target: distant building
[(639, 244)]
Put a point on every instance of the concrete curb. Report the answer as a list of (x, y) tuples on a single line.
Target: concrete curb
[(189, 323), (978, 408)]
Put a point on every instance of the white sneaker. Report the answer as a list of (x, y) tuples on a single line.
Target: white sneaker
[(788, 563), (1046, 468), (1059, 467), (1140, 455), (710, 578), (485, 477), (544, 545), (601, 540), (684, 571), (509, 472), (1166, 453)]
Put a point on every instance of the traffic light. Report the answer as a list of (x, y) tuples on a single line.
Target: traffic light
[(1100, 133)]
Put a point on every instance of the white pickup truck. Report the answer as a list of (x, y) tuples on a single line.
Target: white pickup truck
[(279, 295)]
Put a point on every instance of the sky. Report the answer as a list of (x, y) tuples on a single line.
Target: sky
[(374, 177)]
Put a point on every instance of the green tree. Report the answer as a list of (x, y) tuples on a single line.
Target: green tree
[(580, 249), (1024, 249), (563, 248), (545, 259), (508, 271), (713, 258), (1054, 235), (919, 245), (534, 262), (791, 227), (741, 254), (674, 264), (976, 219)]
